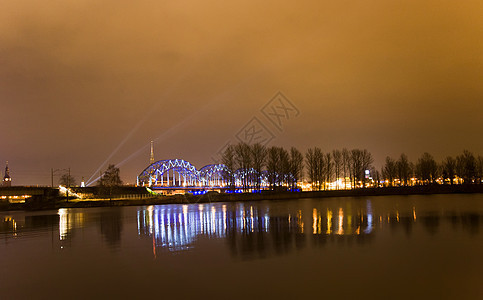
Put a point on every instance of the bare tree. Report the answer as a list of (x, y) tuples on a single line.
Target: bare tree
[(389, 170), (311, 166), (338, 164), (413, 170), (284, 170), (479, 169), (314, 161), (361, 160), (296, 166), (355, 165), (466, 166), (427, 168), (67, 180), (111, 177), (346, 158), (259, 159), (110, 181), (328, 169), (403, 169), (228, 159), (243, 160), (448, 169), (367, 161), (376, 176), (273, 161)]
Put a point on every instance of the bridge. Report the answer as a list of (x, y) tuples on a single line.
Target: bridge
[(178, 174)]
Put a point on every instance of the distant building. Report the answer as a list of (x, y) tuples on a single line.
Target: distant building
[(7, 180)]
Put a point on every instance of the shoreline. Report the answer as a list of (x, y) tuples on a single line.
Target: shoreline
[(56, 203)]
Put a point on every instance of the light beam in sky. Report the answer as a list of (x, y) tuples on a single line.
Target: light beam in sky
[(167, 133)]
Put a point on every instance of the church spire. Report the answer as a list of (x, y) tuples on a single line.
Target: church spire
[(7, 180)]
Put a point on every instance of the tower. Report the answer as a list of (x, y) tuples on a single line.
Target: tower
[(7, 180), (151, 159)]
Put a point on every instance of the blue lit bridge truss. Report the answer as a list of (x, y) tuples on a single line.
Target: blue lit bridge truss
[(178, 173)]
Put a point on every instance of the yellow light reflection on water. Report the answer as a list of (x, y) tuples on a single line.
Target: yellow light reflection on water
[(150, 218), (64, 225), (340, 229), (349, 222), (300, 223), (314, 221), (317, 222), (11, 220), (329, 221)]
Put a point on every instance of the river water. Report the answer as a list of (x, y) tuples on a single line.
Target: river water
[(376, 247)]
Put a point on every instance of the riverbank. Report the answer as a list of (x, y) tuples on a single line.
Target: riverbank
[(56, 203)]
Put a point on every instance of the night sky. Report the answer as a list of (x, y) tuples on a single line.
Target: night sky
[(87, 83)]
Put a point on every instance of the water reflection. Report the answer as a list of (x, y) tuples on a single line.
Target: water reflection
[(9, 225), (68, 220), (254, 231), (467, 221), (13, 226), (176, 227), (111, 226), (281, 235), (250, 230)]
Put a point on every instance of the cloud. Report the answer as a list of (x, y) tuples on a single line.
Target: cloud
[(368, 73)]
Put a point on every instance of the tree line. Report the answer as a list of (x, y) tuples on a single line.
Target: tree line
[(464, 168), (350, 165), (247, 165)]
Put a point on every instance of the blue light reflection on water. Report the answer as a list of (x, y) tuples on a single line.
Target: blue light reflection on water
[(269, 246), (176, 227)]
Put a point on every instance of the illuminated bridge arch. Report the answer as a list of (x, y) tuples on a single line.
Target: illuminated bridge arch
[(215, 175), (181, 174), (171, 173)]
